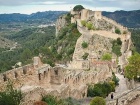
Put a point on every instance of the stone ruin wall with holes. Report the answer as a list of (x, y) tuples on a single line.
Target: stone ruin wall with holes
[(39, 79)]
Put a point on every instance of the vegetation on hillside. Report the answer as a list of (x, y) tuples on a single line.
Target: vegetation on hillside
[(102, 89), (117, 31), (130, 19), (10, 96), (41, 41), (132, 70), (83, 22), (89, 25), (99, 89), (39, 17), (135, 35), (107, 57), (33, 42), (85, 56), (98, 101), (52, 100), (116, 46), (64, 45), (84, 44)]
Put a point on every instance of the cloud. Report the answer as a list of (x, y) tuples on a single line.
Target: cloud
[(105, 5)]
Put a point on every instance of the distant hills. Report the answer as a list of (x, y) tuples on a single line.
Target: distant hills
[(129, 19), (16, 17)]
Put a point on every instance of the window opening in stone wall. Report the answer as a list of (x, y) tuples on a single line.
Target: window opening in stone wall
[(16, 74), (45, 73), (56, 72), (24, 70), (4, 77), (39, 76)]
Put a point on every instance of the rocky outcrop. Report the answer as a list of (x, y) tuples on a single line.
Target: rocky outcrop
[(60, 23)]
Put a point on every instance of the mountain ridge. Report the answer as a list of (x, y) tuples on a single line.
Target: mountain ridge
[(127, 18)]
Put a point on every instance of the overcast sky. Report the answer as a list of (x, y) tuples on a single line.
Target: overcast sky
[(32, 6)]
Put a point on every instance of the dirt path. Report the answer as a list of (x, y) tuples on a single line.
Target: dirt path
[(122, 84)]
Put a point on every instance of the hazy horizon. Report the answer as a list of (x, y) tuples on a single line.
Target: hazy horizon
[(33, 6)]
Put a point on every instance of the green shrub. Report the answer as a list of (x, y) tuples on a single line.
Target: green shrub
[(112, 84), (84, 44), (59, 56), (115, 79), (68, 17), (10, 96), (99, 89), (89, 25), (85, 56), (116, 47), (48, 61), (117, 31), (52, 100), (83, 22), (98, 101), (78, 8), (119, 42), (117, 50), (107, 57), (70, 51)]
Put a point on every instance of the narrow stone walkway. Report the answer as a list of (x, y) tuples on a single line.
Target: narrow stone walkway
[(122, 84), (121, 88)]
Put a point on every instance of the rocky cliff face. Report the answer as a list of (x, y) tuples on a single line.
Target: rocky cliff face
[(60, 23), (97, 46)]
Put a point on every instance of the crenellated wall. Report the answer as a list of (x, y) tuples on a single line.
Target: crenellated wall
[(39, 79)]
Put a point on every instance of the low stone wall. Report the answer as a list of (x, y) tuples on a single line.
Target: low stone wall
[(126, 98)]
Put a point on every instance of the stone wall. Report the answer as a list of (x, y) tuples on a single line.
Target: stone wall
[(39, 79), (125, 98)]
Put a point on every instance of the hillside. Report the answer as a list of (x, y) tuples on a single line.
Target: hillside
[(130, 19), (41, 40), (32, 42), (11, 24), (34, 17), (87, 48), (5, 43)]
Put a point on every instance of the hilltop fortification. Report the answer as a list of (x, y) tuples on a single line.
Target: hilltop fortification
[(86, 67), (99, 38)]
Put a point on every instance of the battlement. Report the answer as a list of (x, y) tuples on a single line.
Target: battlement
[(17, 73), (85, 14)]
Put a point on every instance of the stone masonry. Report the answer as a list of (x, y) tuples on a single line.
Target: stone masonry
[(39, 79)]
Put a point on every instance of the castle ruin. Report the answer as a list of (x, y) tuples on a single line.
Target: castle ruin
[(39, 79)]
